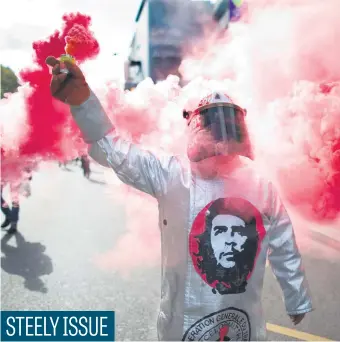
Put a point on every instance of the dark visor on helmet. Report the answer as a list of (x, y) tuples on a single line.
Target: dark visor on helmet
[(225, 122)]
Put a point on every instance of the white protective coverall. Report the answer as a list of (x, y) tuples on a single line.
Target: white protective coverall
[(212, 269)]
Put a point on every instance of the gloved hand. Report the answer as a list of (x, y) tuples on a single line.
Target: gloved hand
[(86, 109), (70, 88), (296, 319)]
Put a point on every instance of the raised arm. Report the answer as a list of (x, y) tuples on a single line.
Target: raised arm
[(134, 166)]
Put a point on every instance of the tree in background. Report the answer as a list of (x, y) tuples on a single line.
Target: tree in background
[(9, 81)]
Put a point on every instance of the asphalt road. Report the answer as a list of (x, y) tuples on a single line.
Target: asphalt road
[(70, 221)]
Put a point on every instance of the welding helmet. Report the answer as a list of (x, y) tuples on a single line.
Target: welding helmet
[(217, 127)]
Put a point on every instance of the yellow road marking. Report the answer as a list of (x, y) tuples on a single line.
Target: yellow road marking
[(294, 333)]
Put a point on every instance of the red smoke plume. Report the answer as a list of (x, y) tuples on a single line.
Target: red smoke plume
[(282, 65), (51, 132), (287, 76), (80, 42)]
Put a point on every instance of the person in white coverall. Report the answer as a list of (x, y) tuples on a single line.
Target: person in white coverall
[(219, 219)]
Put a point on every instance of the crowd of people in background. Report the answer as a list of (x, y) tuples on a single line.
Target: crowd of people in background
[(19, 184), (22, 187), (84, 161), (11, 209)]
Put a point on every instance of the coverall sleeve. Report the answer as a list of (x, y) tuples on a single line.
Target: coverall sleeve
[(286, 263), (133, 165)]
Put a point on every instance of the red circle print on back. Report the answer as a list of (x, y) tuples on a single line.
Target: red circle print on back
[(224, 243)]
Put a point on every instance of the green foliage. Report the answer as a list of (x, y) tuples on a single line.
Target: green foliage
[(9, 81)]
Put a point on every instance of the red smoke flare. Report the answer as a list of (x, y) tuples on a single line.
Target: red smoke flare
[(52, 134), (79, 43)]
